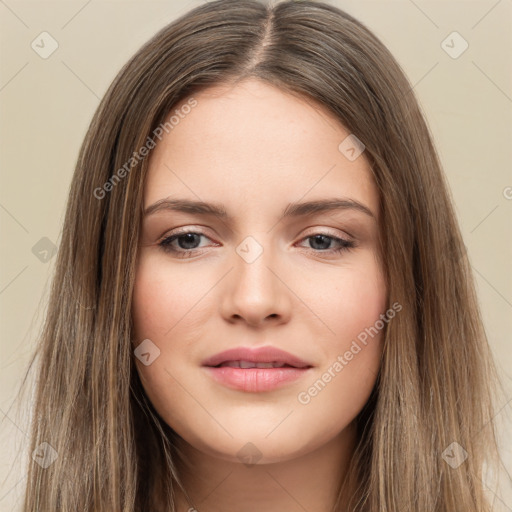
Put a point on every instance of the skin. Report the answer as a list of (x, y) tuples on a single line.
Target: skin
[(256, 148)]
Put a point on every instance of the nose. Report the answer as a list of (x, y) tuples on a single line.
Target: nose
[(255, 291)]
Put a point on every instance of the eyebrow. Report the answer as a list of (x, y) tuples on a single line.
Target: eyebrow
[(292, 210)]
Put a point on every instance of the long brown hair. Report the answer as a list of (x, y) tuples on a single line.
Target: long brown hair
[(437, 381)]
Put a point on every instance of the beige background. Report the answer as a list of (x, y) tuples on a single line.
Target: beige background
[(46, 105)]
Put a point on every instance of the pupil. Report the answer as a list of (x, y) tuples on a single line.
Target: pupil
[(189, 239), (326, 240)]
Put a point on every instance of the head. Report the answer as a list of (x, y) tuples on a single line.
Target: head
[(292, 103)]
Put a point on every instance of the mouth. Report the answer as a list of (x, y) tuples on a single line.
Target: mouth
[(255, 370)]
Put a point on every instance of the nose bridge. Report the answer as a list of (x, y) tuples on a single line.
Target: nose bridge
[(254, 257), (254, 290)]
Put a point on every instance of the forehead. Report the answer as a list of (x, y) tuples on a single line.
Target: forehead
[(255, 144)]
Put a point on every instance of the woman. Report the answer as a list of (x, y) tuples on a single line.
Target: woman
[(260, 370)]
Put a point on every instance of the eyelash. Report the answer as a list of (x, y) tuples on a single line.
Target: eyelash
[(165, 244)]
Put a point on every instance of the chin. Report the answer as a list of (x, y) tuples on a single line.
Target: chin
[(256, 443)]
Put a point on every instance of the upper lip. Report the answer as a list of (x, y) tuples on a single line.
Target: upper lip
[(267, 354)]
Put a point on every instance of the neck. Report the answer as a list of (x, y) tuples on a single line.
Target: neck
[(308, 482)]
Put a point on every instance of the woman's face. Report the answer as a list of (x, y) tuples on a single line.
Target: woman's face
[(267, 274)]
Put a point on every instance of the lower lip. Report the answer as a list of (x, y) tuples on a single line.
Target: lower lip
[(254, 380)]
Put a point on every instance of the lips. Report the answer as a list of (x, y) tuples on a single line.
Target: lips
[(255, 370), (263, 357)]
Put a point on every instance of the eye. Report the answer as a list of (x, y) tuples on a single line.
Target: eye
[(323, 239), (188, 243)]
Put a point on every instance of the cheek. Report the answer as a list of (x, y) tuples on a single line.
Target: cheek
[(353, 352), (160, 300), (349, 303), (161, 297), (166, 309)]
